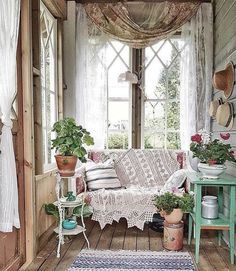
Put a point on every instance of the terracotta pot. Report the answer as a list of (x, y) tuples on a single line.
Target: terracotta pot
[(66, 165), (175, 217)]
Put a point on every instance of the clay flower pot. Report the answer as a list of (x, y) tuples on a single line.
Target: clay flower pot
[(66, 165), (174, 217)]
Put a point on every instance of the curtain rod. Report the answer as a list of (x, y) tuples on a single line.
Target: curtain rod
[(142, 1)]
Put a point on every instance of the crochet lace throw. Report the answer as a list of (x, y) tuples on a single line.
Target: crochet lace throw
[(135, 204)]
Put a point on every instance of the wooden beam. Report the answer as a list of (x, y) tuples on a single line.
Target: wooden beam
[(58, 8), (37, 94), (27, 87), (141, 1)]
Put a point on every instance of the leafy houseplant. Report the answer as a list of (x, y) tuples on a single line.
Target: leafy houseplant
[(172, 205), (70, 142)]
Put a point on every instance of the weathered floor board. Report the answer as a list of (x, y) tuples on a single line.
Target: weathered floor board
[(117, 236)]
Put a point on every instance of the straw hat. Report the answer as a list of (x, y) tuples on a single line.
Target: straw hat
[(224, 80), (225, 115), (214, 106)]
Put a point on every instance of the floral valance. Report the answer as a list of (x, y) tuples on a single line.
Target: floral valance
[(140, 24)]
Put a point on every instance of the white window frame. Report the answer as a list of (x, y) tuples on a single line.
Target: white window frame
[(119, 99), (166, 100), (46, 130)]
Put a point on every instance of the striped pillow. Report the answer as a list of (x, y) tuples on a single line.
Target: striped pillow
[(102, 175)]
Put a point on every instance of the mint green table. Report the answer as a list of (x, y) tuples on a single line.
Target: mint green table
[(221, 223)]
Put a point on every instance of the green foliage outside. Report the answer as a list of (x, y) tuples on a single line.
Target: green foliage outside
[(71, 139), (168, 201), (120, 141)]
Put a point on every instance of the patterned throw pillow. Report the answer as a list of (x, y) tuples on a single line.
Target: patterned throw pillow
[(146, 168), (101, 175)]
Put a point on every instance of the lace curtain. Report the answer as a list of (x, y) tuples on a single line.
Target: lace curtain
[(91, 85), (196, 74), (140, 24), (9, 24)]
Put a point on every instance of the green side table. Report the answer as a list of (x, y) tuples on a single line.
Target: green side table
[(222, 222)]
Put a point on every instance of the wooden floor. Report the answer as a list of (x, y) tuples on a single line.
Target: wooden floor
[(118, 236)]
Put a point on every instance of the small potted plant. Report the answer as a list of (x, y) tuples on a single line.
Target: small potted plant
[(212, 153), (69, 142), (172, 205)]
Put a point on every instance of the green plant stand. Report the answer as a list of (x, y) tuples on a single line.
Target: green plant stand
[(222, 222)]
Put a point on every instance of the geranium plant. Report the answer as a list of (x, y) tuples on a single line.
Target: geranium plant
[(168, 201), (211, 151), (71, 138)]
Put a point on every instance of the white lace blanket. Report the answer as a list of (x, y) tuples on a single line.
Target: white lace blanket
[(135, 204)]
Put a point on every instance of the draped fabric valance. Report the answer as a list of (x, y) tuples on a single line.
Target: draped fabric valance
[(140, 24)]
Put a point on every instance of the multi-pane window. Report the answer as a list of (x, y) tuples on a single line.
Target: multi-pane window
[(118, 116), (48, 29), (161, 107)]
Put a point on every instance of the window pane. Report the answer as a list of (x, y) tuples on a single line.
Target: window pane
[(173, 111), (173, 141), (118, 116), (116, 89), (118, 140), (153, 140), (48, 81), (155, 80), (161, 103), (155, 116)]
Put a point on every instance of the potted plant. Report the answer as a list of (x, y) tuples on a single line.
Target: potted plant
[(69, 142), (211, 153), (172, 205)]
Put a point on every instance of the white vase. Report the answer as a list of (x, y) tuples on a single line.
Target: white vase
[(211, 171)]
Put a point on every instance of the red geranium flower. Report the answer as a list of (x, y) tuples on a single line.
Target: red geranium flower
[(225, 136), (212, 162), (196, 138)]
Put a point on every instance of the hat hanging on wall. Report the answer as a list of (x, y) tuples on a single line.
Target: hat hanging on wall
[(224, 80), (214, 106), (225, 115)]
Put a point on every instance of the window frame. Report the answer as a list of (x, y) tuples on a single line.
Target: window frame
[(45, 130), (117, 98), (166, 100)]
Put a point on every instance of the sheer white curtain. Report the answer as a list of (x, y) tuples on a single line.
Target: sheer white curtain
[(9, 25), (91, 85), (196, 74)]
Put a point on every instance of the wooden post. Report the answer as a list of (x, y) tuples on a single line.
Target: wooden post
[(37, 94), (136, 100), (27, 89)]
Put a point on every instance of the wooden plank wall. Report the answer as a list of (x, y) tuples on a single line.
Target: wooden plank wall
[(225, 51), (45, 193)]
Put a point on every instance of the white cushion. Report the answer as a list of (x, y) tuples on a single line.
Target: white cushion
[(101, 175), (176, 180)]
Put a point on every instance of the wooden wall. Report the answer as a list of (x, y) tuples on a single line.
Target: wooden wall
[(45, 193), (225, 51)]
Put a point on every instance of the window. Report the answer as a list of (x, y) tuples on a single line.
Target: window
[(48, 29), (160, 82), (118, 119), (161, 106)]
